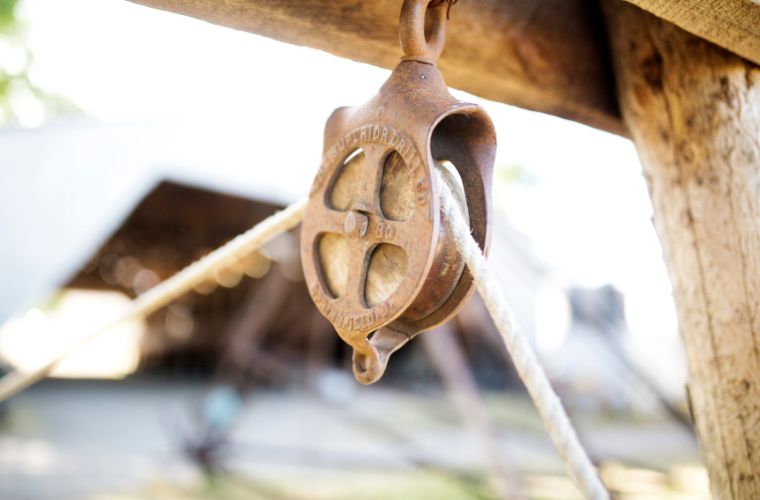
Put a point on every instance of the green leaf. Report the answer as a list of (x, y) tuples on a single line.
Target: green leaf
[(8, 13)]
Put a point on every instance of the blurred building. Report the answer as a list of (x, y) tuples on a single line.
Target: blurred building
[(120, 207)]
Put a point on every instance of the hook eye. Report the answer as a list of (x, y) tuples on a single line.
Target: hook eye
[(371, 357), (418, 45), (368, 364)]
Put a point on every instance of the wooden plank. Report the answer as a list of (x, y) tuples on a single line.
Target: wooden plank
[(693, 110), (547, 56), (731, 24)]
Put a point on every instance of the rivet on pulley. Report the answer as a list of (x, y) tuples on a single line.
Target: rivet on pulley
[(377, 255)]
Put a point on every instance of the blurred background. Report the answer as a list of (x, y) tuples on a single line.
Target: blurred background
[(134, 141)]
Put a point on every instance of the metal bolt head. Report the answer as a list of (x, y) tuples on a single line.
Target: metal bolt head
[(356, 223)]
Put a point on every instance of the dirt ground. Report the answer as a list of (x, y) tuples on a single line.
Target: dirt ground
[(125, 440)]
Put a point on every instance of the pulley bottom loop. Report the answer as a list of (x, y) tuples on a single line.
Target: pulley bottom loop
[(369, 366)]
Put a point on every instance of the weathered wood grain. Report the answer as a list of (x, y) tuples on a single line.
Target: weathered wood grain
[(693, 110), (547, 56), (731, 24)]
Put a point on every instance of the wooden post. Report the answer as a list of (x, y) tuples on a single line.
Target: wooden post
[(693, 111)]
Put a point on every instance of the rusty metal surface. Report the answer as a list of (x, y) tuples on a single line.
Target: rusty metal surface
[(378, 258)]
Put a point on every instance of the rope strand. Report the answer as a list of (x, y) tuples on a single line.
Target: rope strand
[(171, 289), (528, 367)]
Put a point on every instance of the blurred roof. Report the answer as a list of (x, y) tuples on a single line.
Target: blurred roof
[(65, 188)]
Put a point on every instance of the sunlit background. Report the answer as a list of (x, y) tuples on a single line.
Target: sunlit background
[(102, 100)]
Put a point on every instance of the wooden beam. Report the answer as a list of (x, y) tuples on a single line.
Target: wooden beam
[(547, 56), (693, 110), (731, 24)]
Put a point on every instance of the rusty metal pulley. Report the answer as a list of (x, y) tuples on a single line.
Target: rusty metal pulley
[(378, 257)]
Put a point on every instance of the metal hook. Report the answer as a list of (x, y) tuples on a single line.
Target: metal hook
[(416, 45), (450, 4)]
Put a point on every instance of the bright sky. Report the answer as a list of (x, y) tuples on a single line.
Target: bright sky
[(586, 208)]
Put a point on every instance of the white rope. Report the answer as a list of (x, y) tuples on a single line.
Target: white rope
[(548, 404), (165, 292)]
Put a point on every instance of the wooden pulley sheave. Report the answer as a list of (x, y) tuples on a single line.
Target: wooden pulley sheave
[(378, 258)]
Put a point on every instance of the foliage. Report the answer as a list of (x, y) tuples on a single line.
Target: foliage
[(22, 101), (7, 13)]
